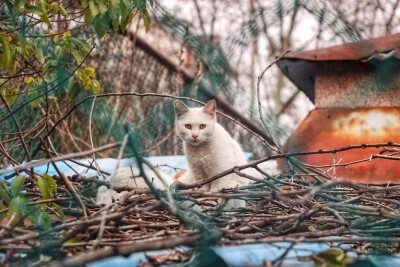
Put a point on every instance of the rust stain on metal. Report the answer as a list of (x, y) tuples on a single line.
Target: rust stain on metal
[(329, 128), (354, 84), (352, 51)]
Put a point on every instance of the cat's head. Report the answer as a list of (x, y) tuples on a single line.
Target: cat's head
[(195, 125)]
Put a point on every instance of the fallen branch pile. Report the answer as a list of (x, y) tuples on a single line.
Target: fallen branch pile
[(291, 207)]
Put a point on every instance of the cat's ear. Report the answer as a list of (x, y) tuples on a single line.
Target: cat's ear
[(180, 108), (210, 108)]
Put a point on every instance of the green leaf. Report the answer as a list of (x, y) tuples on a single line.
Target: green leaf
[(46, 65), (84, 44), (63, 11), (124, 11), (152, 3), (101, 25), (35, 10), (94, 8), (73, 240), (16, 185), (126, 21), (37, 40), (44, 219), (60, 212), (56, 37), (6, 54), (18, 4), (17, 206), (45, 6), (74, 91), (45, 188), (78, 54), (4, 193), (35, 103), (54, 9), (141, 3), (29, 80), (45, 19), (95, 86), (2, 206), (39, 54), (48, 177), (58, 51), (11, 95), (146, 19), (114, 14), (39, 217), (85, 3), (103, 8), (333, 258), (90, 72), (88, 17), (68, 84), (67, 34)]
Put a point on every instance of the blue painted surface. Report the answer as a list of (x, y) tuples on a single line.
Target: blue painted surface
[(119, 261), (110, 164), (386, 261), (254, 254)]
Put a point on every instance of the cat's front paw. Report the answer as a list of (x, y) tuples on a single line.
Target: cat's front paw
[(176, 185)]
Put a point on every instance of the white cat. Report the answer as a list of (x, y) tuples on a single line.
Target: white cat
[(209, 149)]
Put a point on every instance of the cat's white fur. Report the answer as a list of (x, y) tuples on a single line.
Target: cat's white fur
[(211, 152), (128, 177)]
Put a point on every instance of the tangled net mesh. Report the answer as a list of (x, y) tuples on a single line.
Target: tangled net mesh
[(305, 204)]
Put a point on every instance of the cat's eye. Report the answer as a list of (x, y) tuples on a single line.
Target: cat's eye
[(188, 126), (202, 126)]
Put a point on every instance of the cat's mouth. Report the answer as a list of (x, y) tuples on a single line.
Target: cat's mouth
[(195, 141)]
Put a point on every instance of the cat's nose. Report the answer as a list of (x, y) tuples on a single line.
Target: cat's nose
[(195, 136)]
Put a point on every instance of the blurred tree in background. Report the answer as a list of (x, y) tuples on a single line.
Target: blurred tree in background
[(44, 50)]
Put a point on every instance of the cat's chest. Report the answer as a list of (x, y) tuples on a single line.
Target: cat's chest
[(205, 163), (200, 158)]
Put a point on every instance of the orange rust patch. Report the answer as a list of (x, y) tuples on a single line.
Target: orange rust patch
[(329, 128)]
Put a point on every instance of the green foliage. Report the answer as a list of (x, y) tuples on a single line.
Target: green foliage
[(332, 258), (118, 13), (17, 203), (7, 56), (17, 208), (47, 186), (16, 185), (4, 193), (86, 77), (10, 94), (146, 19), (26, 40)]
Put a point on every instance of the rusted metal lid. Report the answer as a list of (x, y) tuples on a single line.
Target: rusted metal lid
[(330, 128), (299, 67), (353, 51)]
